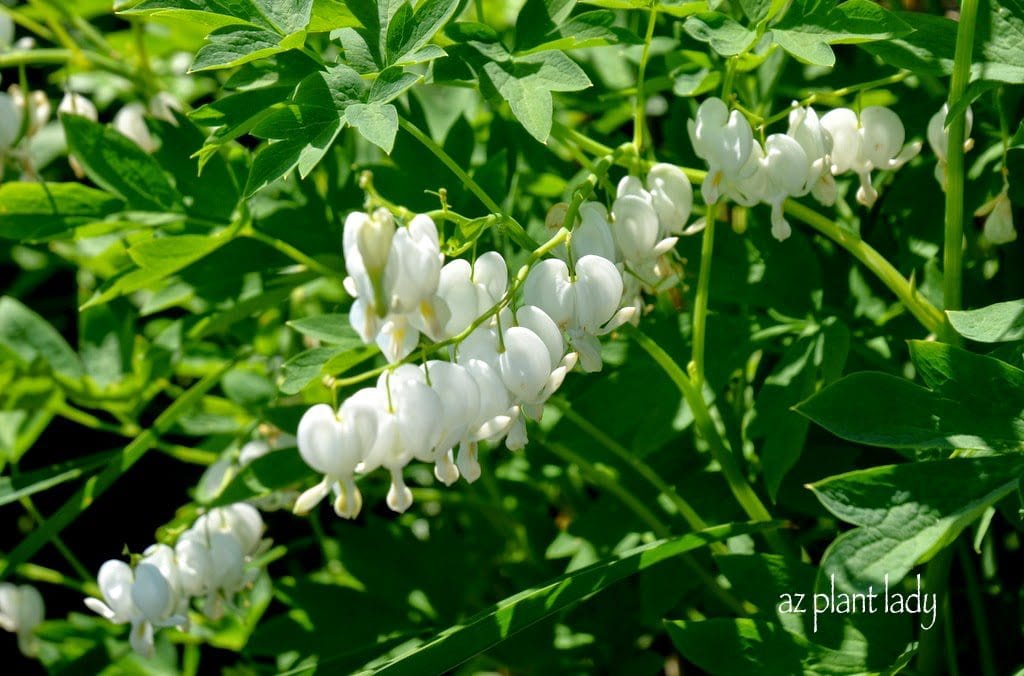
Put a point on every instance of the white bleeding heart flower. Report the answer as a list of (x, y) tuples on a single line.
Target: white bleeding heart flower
[(397, 337), (460, 403), (724, 140), (413, 266), (584, 307), (671, 197), (872, 141), (335, 445), (786, 167), (409, 426), (117, 582), (131, 122), (998, 227), (162, 558), (74, 103), (593, 236), (366, 244), (806, 129), (468, 291), (39, 108), (241, 520), (938, 139), (637, 230), (21, 611), (632, 185), (163, 106)]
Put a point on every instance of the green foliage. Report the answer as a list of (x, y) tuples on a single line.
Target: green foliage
[(173, 299)]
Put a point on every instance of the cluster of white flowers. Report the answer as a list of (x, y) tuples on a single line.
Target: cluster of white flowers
[(21, 611), (503, 363), (212, 560), (802, 161)]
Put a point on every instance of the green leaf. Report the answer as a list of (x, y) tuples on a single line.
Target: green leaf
[(308, 366), (28, 337), (36, 212), (998, 323), (376, 122), (117, 164), (26, 484), (306, 129), (330, 15), (930, 48), (977, 402), (232, 46), (537, 19), (527, 82), (457, 644), (391, 84), (907, 513), (283, 16), (810, 26), (329, 328), (726, 36), (274, 471)]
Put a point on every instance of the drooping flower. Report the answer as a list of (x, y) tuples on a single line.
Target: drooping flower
[(21, 611), (872, 141), (671, 197), (786, 168), (938, 139), (806, 129), (724, 140), (130, 121)]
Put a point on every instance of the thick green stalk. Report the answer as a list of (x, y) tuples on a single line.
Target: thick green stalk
[(952, 275)]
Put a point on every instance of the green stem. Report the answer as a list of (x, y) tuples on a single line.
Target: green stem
[(58, 542), (929, 652), (927, 314), (609, 482), (952, 274), (640, 115), (37, 573), (738, 484), (700, 302), (979, 617), (291, 252), (643, 469), (515, 228)]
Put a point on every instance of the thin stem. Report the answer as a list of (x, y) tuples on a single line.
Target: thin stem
[(65, 551), (700, 302), (609, 482), (738, 484), (952, 273), (515, 228), (978, 614), (293, 253), (640, 115), (929, 652), (37, 573), (643, 469)]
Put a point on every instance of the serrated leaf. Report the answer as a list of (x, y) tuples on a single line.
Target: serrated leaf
[(907, 513), (117, 164), (997, 323), (35, 212)]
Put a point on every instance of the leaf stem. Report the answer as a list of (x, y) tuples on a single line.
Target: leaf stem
[(291, 252), (700, 302), (953, 248), (639, 466), (515, 229), (640, 115), (607, 480)]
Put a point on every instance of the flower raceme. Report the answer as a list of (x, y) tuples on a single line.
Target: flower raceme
[(211, 560)]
